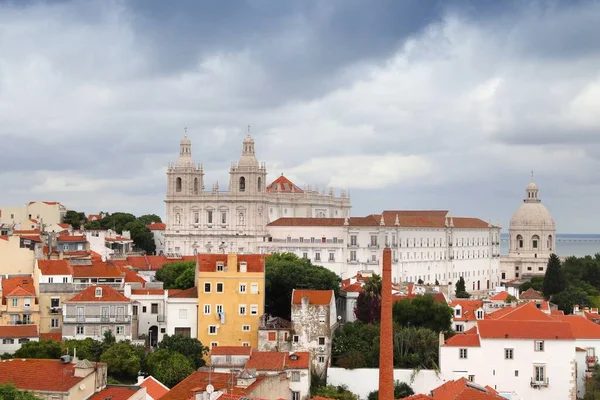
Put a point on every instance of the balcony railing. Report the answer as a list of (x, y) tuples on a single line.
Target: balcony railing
[(536, 383), (55, 310), (97, 319), (373, 262), (373, 246)]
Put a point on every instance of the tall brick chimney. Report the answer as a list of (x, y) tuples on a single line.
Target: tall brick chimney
[(386, 346)]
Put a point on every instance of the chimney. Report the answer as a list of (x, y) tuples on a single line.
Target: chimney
[(575, 308), (386, 348)]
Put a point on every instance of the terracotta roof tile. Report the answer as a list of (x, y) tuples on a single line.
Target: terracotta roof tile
[(468, 309), (18, 331), (146, 292), (114, 392), (108, 295), (55, 336), (254, 262), (267, 361), (315, 297), (157, 226), (467, 339), (231, 351), (283, 185), (154, 388), (502, 296), (519, 329), (4, 237), (97, 269), (191, 293), (39, 375), (302, 361), (462, 389), (417, 397), (198, 381), (581, 327), (18, 286), (26, 232), (132, 276), (523, 312), (531, 294), (54, 267), (66, 238)]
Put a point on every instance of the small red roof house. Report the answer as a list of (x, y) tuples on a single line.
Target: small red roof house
[(154, 388), (120, 392), (94, 217), (460, 389), (531, 294), (157, 226), (99, 294), (315, 297)]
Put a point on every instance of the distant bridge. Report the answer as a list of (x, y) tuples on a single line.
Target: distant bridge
[(569, 240)]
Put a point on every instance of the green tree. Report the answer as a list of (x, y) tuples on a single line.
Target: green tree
[(189, 347), (336, 392), (186, 280), (355, 344), (169, 367), (423, 311), (74, 218), (141, 236), (566, 299), (123, 361), (415, 348), (368, 308), (285, 272), (41, 349), (536, 282), (554, 279), (170, 272), (401, 390), (461, 290), (9, 392), (148, 219), (86, 348)]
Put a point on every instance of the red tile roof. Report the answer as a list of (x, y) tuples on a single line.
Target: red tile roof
[(581, 327), (54, 267), (468, 339), (267, 361), (315, 297), (93, 217), (468, 309), (302, 361), (191, 293), (4, 237), (108, 295), (154, 388), (26, 232), (462, 389), (18, 286), (524, 312), (519, 329), (231, 351), (283, 185), (55, 336), (254, 262), (147, 292), (355, 287), (114, 392), (198, 381), (417, 397), (150, 263), (38, 375), (18, 331), (157, 226), (132, 276), (97, 269), (64, 226), (502, 296), (33, 238), (531, 294), (67, 238), (50, 203)]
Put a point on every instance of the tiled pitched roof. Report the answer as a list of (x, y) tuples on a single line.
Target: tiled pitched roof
[(132, 276), (154, 388), (468, 308), (519, 329), (302, 361), (54, 267), (523, 312), (198, 381), (4, 237), (315, 297), (97, 269), (468, 339), (20, 232), (114, 392), (581, 327), (55, 336), (191, 293), (157, 226), (64, 226), (462, 389), (417, 397), (39, 375), (502, 296), (283, 185), (108, 295), (18, 286), (18, 331), (355, 287), (148, 292), (67, 238), (254, 262), (267, 361), (531, 294), (231, 351)]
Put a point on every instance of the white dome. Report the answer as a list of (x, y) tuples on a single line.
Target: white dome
[(532, 186), (532, 215)]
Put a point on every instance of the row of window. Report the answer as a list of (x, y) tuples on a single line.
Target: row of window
[(508, 353), (535, 242), (119, 329), (12, 341), (462, 255), (64, 279), (220, 287), (15, 302), (195, 219), (423, 242), (242, 309)]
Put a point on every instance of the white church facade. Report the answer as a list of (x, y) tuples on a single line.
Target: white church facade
[(235, 220), (532, 238)]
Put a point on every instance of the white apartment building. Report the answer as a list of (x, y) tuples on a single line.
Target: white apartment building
[(182, 312), (234, 220), (426, 245)]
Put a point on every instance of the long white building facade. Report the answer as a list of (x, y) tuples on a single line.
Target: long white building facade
[(235, 220), (428, 246)]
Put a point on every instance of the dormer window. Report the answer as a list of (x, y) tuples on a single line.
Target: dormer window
[(243, 267), (457, 312), (99, 292), (220, 267), (479, 314)]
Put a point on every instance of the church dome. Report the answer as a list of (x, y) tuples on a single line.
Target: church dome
[(248, 158), (532, 213)]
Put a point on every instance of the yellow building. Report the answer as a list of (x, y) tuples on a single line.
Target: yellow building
[(19, 302), (29, 215), (16, 256), (231, 299)]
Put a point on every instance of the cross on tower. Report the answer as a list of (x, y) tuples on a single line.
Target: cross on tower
[(248, 129), (185, 129), (531, 175)]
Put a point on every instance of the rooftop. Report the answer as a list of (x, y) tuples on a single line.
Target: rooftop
[(254, 262), (198, 381), (154, 388), (108, 295), (315, 297), (116, 392), (18, 331), (39, 375), (21, 285)]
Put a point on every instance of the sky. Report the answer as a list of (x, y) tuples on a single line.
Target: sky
[(406, 104)]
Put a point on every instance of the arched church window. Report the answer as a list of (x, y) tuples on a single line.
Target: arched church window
[(242, 184), (535, 241), (519, 242), (321, 214), (178, 185), (549, 244), (259, 185), (195, 185)]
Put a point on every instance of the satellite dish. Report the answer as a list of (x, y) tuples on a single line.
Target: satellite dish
[(210, 388)]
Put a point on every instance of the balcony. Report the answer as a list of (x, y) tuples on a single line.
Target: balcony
[(55, 310), (373, 246), (352, 261), (96, 319), (539, 384), (353, 245), (374, 262)]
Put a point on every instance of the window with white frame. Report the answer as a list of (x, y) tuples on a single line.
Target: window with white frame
[(331, 256), (207, 287), (50, 280), (508, 354), (220, 267), (352, 240), (459, 328), (321, 359), (212, 329), (206, 309), (246, 328), (352, 255), (295, 376), (539, 345), (219, 308), (245, 344), (254, 288), (242, 287), (54, 323), (462, 353), (254, 309), (219, 287), (15, 302), (214, 344), (322, 318), (242, 309), (120, 330), (317, 256), (539, 373), (321, 340), (8, 341), (80, 329)]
